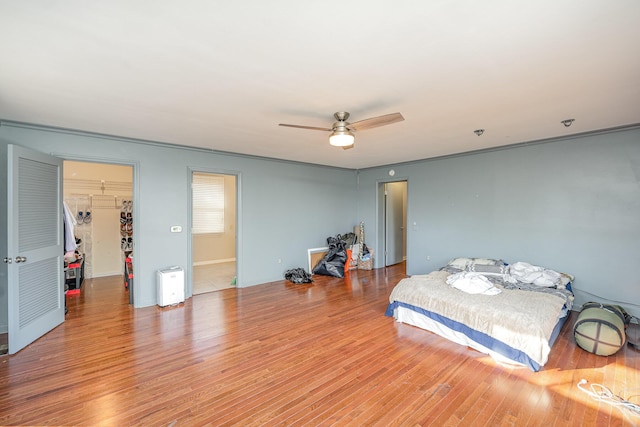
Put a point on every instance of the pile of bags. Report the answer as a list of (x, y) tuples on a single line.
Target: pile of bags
[(332, 264)]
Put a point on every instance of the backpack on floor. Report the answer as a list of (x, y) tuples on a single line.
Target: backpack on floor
[(633, 335), (600, 328)]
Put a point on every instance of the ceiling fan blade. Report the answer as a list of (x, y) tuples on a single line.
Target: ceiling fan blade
[(374, 122), (305, 127), (348, 147)]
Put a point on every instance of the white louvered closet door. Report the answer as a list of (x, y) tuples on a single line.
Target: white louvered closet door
[(36, 245)]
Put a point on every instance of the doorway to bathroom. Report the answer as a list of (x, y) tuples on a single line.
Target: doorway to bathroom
[(213, 231)]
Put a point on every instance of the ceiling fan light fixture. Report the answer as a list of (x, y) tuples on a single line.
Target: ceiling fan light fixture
[(342, 131), (341, 138)]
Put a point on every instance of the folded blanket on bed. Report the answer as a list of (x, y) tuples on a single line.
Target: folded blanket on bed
[(472, 283)]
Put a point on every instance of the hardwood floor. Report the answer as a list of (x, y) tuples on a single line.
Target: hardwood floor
[(287, 354)]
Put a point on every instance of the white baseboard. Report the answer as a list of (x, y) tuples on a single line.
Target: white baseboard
[(105, 274), (214, 261)]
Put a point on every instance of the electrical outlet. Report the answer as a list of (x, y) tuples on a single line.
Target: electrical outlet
[(279, 261), (428, 257)]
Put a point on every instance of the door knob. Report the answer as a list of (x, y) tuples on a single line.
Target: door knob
[(21, 259)]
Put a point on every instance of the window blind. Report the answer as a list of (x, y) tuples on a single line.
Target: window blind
[(208, 203)]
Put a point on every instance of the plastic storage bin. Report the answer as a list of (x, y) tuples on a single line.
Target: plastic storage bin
[(170, 286)]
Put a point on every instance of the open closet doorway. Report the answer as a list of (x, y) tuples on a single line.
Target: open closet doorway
[(213, 229), (392, 228), (99, 198)]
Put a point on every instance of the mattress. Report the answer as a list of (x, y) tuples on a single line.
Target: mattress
[(515, 326)]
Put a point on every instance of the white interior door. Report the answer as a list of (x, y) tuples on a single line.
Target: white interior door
[(35, 243), (394, 222)]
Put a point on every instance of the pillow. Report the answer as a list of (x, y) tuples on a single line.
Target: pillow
[(565, 280), (488, 269), (466, 263)]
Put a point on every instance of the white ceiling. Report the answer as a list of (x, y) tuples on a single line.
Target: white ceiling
[(222, 75)]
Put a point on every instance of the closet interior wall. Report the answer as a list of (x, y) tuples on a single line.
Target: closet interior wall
[(96, 205)]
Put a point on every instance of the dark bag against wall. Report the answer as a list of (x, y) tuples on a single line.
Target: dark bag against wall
[(349, 239), (332, 264)]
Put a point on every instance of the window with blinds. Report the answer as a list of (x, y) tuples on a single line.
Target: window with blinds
[(208, 203)]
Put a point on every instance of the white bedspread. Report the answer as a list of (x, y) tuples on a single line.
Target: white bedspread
[(520, 319)]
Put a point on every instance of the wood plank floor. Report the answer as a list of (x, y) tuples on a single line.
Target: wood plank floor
[(286, 354)]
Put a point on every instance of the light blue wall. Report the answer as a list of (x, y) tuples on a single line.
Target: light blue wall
[(571, 205), (285, 208)]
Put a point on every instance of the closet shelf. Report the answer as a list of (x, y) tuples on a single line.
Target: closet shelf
[(94, 186)]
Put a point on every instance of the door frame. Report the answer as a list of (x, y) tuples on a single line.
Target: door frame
[(135, 191), (216, 171), (395, 240), (380, 261)]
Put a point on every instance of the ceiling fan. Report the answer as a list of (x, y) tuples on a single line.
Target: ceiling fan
[(342, 131)]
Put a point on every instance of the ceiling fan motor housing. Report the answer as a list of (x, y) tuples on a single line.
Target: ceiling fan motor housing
[(341, 116)]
